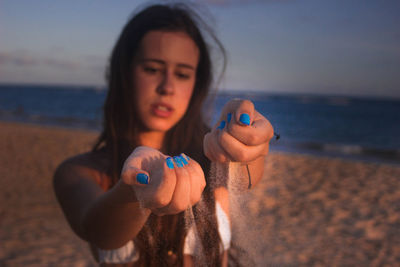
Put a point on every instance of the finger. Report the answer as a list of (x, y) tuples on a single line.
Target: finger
[(259, 132), (240, 152), (244, 113), (161, 194), (158, 212), (241, 110), (197, 179), (135, 176), (137, 167), (181, 197), (212, 148)]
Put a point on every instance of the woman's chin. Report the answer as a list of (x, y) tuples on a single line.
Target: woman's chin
[(156, 124), (159, 127)]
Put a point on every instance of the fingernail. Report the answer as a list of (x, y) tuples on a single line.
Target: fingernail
[(222, 125), (229, 117), (142, 178), (184, 160), (245, 118), (186, 157), (178, 161), (170, 162)]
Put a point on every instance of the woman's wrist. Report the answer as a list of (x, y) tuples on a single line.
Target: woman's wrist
[(124, 192)]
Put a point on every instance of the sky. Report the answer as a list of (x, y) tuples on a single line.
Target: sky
[(341, 47)]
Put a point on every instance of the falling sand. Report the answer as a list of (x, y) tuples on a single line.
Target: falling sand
[(220, 175), (233, 177)]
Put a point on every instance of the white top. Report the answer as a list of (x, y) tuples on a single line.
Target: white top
[(128, 253)]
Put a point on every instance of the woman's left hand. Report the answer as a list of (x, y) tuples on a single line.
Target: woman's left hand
[(241, 134)]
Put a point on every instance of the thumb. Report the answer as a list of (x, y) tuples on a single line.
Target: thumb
[(244, 113), (134, 176)]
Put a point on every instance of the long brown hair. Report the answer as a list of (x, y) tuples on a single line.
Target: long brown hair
[(121, 127)]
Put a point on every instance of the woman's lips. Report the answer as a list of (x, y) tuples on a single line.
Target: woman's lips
[(161, 110)]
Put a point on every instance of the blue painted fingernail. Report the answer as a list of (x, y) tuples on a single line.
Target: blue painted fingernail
[(170, 162), (245, 118), (186, 157), (229, 117), (142, 178), (184, 160), (222, 125), (178, 161)]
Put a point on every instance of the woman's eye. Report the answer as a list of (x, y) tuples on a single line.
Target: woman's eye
[(150, 70), (183, 76)]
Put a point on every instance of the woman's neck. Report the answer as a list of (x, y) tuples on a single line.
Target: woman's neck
[(152, 139)]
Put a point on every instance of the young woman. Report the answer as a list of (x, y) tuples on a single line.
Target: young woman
[(128, 197)]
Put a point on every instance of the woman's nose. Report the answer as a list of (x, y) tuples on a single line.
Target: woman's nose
[(166, 86)]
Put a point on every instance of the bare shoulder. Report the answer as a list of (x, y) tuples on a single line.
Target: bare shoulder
[(92, 166), (78, 182)]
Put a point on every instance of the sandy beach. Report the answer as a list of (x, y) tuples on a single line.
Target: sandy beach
[(306, 211)]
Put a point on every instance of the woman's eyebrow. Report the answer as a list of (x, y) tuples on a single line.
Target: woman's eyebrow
[(183, 65), (153, 60), (159, 61)]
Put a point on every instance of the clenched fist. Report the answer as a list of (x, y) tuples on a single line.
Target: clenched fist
[(241, 134), (163, 184)]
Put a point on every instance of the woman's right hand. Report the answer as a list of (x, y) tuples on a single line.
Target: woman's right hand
[(163, 184)]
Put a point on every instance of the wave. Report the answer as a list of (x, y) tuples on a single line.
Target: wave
[(391, 155)]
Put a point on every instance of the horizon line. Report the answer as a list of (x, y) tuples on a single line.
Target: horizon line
[(103, 87)]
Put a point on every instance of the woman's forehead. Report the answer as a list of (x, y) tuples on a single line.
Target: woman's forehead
[(171, 47)]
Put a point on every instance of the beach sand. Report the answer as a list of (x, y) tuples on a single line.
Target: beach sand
[(306, 211)]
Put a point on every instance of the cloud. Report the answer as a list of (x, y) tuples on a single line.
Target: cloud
[(29, 59), (17, 59), (26, 59), (60, 63), (31, 67)]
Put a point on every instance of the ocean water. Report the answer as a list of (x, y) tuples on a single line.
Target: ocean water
[(360, 128)]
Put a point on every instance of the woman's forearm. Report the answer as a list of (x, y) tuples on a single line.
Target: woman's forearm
[(114, 218)]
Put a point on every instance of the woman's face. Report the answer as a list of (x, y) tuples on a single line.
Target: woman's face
[(164, 71)]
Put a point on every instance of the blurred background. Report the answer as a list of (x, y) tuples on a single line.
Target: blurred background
[(341, 47), (325, 73)]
